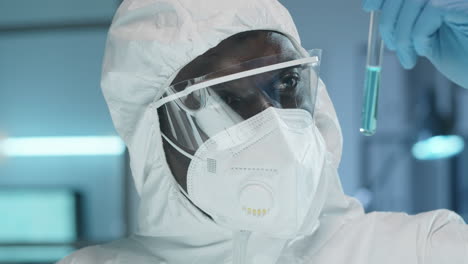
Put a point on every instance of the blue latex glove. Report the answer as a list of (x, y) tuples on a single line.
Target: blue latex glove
[(436, 29)]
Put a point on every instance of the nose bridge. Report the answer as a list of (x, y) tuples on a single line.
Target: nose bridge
[(262, 100), (260, 88), (266, 99), (254, 97)]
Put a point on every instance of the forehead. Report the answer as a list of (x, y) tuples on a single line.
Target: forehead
[(237, 49)]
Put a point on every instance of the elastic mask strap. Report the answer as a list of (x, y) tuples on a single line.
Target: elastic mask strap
[(181, 151), (183, 192)]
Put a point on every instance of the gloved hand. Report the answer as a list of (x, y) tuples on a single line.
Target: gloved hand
[(436, 29)]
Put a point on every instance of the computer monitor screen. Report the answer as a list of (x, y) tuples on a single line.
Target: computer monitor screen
[(37, 216)]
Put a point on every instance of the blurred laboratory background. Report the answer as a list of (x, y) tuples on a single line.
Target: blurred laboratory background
[(64, 176)]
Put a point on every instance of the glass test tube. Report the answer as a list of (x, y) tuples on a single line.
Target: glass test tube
[(375, 49)]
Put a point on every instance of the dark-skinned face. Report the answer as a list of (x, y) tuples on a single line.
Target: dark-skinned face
[(237, 49)]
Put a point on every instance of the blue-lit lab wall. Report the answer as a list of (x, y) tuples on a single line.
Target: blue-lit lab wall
[(50, 64)]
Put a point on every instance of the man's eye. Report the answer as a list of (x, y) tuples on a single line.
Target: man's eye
[(287, 83)]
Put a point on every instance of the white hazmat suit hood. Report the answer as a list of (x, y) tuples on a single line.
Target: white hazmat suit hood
[(148, 44)]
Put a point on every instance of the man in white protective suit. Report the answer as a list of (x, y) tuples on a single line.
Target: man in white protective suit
[(234, 146)]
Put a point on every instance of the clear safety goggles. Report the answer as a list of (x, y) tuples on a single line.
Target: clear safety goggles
[(194, 110)]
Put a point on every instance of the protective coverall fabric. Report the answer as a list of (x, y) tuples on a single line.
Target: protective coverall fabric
[(148, 43)]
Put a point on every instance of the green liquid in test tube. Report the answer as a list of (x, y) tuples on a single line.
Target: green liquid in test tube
[(372, 78)]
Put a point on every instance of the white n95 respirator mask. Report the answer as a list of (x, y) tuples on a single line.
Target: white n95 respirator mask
[(261, 175)]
